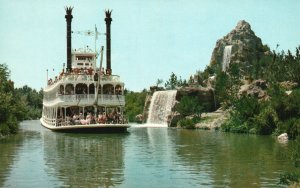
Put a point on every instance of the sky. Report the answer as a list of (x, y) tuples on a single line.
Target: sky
[(150, 39)]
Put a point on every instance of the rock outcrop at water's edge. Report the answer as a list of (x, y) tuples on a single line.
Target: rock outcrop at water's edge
[(213, 120), (246, 46)]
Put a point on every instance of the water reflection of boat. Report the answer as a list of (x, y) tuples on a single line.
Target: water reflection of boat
[(85, 98), (92, 161)]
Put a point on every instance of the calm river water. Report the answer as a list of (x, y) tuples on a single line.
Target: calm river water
[(144, 157)]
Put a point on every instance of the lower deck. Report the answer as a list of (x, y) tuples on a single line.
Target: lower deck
[(89, 128)]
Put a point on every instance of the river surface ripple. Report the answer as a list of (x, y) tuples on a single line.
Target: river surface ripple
[(143, 157)]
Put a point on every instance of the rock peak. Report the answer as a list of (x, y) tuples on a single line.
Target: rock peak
[(243, 25), (246, 46)]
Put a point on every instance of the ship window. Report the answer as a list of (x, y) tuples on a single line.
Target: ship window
[(79, 63), (108, 89), (83, 58), (87, 64)]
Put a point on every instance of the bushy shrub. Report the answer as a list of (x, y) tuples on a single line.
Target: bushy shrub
[(291, 127), (266, 121), (189, 105), (290, 178), (187, 123)]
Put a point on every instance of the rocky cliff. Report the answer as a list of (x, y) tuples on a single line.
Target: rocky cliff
[(246, 46)]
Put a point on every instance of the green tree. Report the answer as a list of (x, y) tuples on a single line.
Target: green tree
[(11, 108), (159, 82), (189, 106), (172, 82), (135, 102)]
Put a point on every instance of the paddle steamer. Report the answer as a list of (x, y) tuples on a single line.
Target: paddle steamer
[(84, 97)]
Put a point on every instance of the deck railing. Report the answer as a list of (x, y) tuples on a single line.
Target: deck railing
[(84, 77), (90, 98)]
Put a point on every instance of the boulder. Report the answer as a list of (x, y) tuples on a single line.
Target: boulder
[(255, 89), (283, 138)]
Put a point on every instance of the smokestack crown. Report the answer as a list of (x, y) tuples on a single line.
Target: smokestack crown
[(68, 12), (108, 15)]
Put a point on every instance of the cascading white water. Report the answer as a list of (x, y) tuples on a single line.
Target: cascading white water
[(226, 57), (161, 107)]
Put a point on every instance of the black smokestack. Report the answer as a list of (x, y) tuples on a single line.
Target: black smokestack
[(69, 37), (108, 47)]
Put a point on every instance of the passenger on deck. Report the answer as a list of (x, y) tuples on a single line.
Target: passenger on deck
[(85, 70), (101, 118), (90, 71), (76, 119), (102, 71), (93, 119), (81, 116)]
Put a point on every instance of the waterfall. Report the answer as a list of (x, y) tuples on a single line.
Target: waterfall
[(226, 57), (161, 107)]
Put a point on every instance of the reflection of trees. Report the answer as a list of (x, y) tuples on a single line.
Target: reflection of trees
[(85, 160), (8, 151), (233, 160)]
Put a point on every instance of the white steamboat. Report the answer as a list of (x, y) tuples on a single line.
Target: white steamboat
[(85, 98)]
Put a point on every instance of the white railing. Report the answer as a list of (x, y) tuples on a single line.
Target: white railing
[(49, 121), (85, 77), (114, 78), (90, 99)]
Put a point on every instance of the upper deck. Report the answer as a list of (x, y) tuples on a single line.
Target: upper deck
[(84, 82)]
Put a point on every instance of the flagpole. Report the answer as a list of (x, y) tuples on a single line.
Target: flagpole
[(95, 39)]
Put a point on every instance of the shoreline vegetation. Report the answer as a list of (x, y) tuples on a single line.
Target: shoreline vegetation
[(16, 104)]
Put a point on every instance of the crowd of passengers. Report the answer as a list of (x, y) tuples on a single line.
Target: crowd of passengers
[(102, 118), (83, 90), (82, 71)]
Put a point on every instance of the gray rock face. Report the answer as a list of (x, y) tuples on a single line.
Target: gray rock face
[(246, 46), (255, 89)]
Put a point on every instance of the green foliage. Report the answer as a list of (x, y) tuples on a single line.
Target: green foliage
[(289, 178), (227, 85), (281, 113), (135, 102), (221, 87), (9, 103), (290, 126), (159, 82), (174, 82), (189, 105), (16, 104), (32, 101), (266, 121), (187, 123)]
